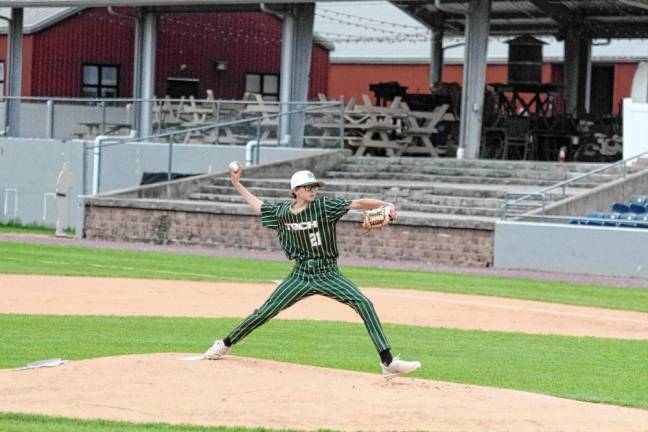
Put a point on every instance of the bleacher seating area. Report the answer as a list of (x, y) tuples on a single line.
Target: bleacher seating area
[(633, 214)]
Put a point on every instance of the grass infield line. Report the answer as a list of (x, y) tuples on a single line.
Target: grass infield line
[(22, 258), (15, 226), (15, 422), (583, 368)]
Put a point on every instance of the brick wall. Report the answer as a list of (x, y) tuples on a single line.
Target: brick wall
[(437, 245)]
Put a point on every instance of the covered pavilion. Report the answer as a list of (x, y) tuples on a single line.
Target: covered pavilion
[(577, 22)]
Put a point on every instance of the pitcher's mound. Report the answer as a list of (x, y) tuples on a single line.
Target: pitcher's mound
[(256, 393)]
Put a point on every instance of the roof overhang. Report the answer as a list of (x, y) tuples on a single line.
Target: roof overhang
[(101, 3), (596, 19), (38, 19)]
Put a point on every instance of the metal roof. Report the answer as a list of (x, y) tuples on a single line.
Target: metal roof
[(593, 18), (38, 19), (100, 3)]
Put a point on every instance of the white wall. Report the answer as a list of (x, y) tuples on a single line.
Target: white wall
[(635, 128), (67, 118), (31, 167), (566, 248)]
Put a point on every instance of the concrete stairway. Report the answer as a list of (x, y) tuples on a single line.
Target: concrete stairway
[(436, 189)]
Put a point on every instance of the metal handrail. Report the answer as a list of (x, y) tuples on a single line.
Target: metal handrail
[(563, 184), (125, 100), (118, 141), (103, 141), (625, 223), (217, 106)]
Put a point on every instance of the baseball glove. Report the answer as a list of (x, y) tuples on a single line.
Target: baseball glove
[(376, 218)]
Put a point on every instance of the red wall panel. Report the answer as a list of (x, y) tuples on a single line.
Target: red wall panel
[(353, 79), (249, 42), (93, 36), (623, 76)]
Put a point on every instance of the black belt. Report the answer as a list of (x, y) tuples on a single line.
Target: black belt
[(316, 262), (61, 194)]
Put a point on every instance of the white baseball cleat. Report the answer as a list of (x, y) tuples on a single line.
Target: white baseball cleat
[(399, 367), (218, 350)]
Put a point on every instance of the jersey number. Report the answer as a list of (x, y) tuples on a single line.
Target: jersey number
[(315, 239)]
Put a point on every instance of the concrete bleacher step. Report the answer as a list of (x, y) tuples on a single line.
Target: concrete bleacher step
[(257, 187), (452, 201), (427, 203), (552, 176), (481, 191), (236, 198), (442, 190), (405, 177), (273, 188), (342, 184), (576, 167), (258, 191), (454, 210)]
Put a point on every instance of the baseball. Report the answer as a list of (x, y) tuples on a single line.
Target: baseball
[(234, 166)]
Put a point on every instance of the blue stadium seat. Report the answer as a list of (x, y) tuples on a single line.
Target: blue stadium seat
[(642, 220), (641, 200), (638, 204), (595, 218), (615, 219), (612, 217), (618, 207), (627, 220)]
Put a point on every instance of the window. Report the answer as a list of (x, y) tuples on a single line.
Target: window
[(267, 85), (100, 81), (179, 87)]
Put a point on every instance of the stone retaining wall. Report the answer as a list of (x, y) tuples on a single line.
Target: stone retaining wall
[(402, 242)]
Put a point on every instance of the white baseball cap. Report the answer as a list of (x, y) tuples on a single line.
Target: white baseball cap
[(303, 178)]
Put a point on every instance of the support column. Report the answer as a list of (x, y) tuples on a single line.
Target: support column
[(14, 72), (578, 73), (304, 14), (436, 56), (585, 75), (287, 39), (138, 48), (571, 71), (149, 43), (474, 78)]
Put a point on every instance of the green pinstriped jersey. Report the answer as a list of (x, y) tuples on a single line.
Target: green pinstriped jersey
[(310, 234)]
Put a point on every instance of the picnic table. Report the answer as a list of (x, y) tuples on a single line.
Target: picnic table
[(396, 128), (94, 129), (188, 113)]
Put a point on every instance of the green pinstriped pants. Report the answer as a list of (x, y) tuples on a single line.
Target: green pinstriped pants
[(309, 278)]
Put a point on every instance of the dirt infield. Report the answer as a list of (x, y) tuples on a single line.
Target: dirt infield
[(258, 393), (104, 296), (254, 393)]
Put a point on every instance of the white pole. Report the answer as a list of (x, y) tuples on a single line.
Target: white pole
[(96, 163), (287, 38)]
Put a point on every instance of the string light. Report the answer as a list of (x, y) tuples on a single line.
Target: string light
[(342, 37), (375, 21), (365, 27)]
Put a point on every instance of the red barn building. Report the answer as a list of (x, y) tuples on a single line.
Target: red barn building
[(611, 79), (89, 52)]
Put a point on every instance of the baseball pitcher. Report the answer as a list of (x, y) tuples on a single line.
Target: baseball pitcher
[(306, 226)]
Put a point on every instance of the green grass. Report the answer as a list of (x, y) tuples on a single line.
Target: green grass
[(15, 226), (19, 258), (583, 368), (10, 422)]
